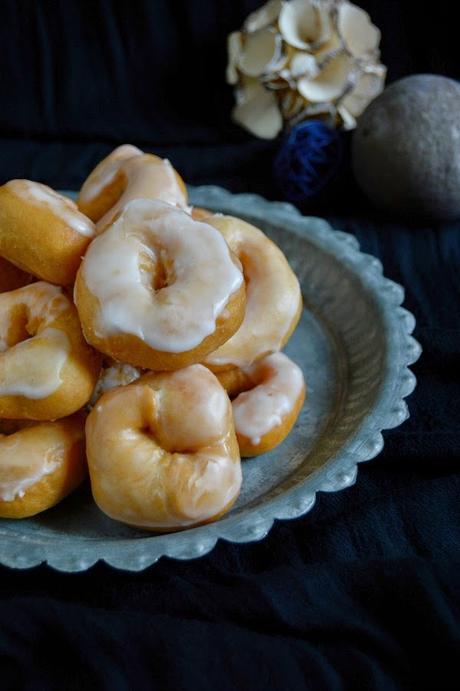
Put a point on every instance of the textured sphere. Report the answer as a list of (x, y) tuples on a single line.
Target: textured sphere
[(406, 148)]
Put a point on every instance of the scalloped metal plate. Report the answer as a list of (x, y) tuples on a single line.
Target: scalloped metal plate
[(354, 343)]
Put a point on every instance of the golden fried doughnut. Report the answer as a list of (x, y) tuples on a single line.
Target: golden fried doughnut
[(267, 399), (162, 452), (159, 290), (47, 370), (40, 464), (11, 277), (42, 232), (127, 174), (273, 303)]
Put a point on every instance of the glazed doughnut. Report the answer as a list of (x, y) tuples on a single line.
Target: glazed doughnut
[(273, 302), (127, 174), (42, 232), (162, 452), (159, 290), (11, 277), (47, 370), (267, 399), (40, 464)]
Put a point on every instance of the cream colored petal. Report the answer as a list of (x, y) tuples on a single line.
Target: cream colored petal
[(330, 83), (286, 76), (280, 58), (291, 103), (258, 112), (304, 64), (245, 88), (325, 111), (348, 120), (359, 34), (304, 24), (313, 109), (261, 51), (234, 49), (367, 87), (275, 81), (332, 46), (264, 16)]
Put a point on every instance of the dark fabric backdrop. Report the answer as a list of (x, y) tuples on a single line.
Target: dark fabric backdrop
[(363, 592)]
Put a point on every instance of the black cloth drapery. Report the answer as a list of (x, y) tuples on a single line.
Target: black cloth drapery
[(363, 592)]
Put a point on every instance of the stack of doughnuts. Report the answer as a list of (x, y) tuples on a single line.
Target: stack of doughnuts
[(140, 340)]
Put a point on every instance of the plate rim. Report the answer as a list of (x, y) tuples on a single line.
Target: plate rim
[(388, 411)]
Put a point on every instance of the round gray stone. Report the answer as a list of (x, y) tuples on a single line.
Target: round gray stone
[(406, 148)]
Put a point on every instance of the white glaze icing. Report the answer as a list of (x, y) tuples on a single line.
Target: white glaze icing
[(42, 195), (147, 177), (113, 376), (106, 171), (32, 367), (19, 471), (272, 294), (279, 383), (197, 260)]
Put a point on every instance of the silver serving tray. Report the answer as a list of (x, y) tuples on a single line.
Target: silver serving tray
[(354, 346)]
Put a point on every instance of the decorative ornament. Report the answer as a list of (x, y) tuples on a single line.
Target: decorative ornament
[(406, 148), (301, 59), (308, 159)]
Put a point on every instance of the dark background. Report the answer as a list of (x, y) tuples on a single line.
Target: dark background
[(363, 592)]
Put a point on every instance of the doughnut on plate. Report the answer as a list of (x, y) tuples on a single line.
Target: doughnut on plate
[(354, 345)]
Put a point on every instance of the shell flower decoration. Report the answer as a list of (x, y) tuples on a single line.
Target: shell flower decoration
[(301, 59)]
